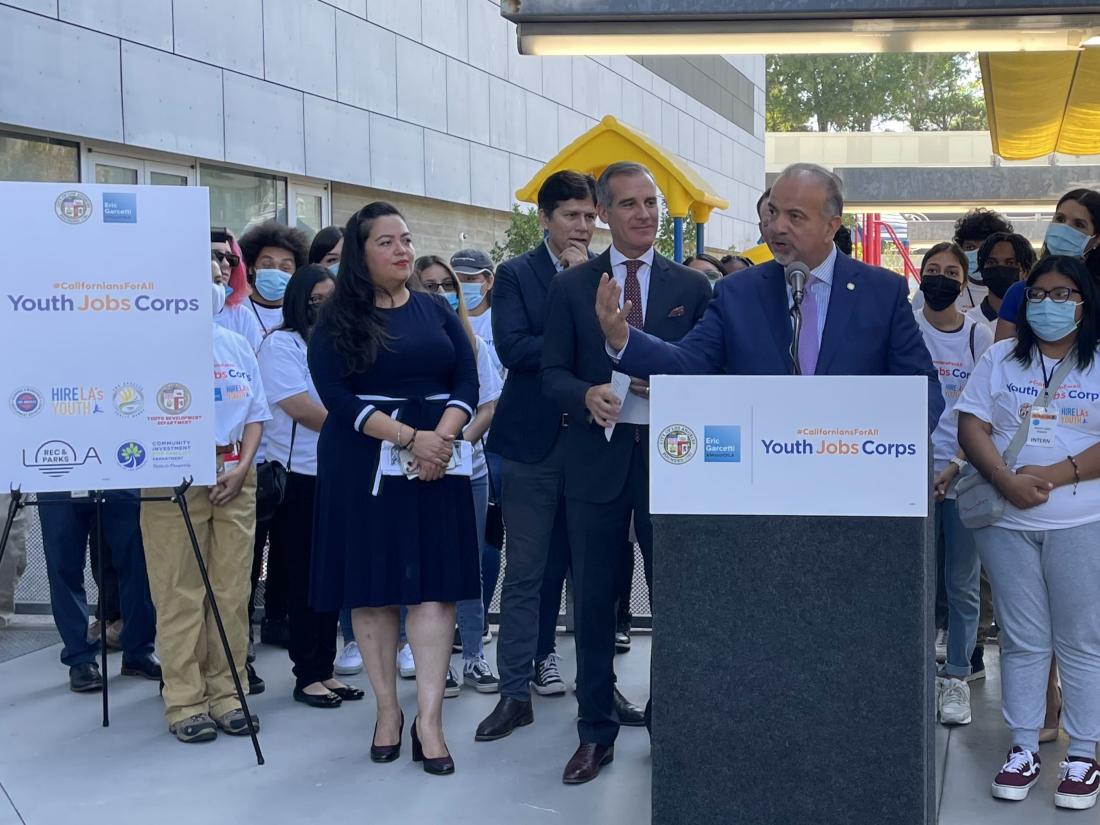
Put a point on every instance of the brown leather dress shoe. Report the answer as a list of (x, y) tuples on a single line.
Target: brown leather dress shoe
[(586, 763)]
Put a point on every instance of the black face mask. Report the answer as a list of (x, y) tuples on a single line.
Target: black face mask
[(939, 292), (1000, 278)]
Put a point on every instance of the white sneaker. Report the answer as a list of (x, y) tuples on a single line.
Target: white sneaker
[(405, 664), (348, 662), (941, 645), (954, 702)]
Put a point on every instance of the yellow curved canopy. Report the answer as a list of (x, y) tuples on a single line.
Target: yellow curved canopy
[(759, 254), (610, 141), (1043, 102)]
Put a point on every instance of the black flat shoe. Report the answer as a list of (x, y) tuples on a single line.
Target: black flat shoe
[(386, 753), (325, 700), (442, 766), (349, 693)]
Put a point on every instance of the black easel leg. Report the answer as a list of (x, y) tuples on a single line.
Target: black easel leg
[(14, 506), (101, 608), (181, 500)]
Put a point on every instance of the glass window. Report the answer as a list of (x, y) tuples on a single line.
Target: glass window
[(167, 179), (240, 199), (107, 173), (307, 213), (27, 157)]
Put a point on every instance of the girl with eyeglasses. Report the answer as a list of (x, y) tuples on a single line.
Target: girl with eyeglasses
[(1041, 553)]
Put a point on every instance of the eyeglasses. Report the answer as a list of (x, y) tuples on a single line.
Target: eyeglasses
[(229, 257), (435, 287), (1060, 294), (317, 300)]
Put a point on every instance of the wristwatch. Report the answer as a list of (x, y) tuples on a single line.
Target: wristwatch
[(959, 462)]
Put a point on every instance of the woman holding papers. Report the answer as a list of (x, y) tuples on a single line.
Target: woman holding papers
[(394, 515)]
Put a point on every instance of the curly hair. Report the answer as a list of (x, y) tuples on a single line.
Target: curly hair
[(978, 224), (281, 236), (357, 327)]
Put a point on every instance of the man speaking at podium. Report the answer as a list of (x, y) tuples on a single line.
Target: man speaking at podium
[(855, 319)]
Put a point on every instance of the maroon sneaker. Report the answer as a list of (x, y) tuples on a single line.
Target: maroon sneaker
[(1020, 772), (1080, 783)]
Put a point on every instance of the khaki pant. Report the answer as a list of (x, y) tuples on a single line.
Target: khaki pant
[(14, 562), (197, 678)]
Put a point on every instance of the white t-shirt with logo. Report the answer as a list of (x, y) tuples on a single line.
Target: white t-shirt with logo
[(1001, 390), (239, 319), (489, 378), (238, 391), (285, 374), (954, 361)]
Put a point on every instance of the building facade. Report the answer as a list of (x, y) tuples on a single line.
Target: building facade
[(304, 110)]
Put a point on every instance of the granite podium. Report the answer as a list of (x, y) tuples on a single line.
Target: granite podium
[(793, 569)]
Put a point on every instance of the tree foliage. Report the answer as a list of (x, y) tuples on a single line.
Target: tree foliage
[(829, 93), (524, 233)]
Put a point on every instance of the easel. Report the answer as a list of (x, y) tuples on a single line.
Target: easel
[(179, 497)]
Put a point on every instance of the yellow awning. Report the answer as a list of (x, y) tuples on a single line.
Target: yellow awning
[(758, 254), (610, 141), (1043, 102)]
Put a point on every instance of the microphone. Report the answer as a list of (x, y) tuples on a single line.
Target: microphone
[(797, 273)]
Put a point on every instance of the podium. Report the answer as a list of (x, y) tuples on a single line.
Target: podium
[(794, 580)]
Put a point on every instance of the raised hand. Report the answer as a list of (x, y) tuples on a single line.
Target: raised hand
[(612, 319)]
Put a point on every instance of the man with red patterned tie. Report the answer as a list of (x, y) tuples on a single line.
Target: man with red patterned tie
[(607, 463)]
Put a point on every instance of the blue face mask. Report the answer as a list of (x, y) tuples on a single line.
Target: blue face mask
[(334, 268), (228, 291), (1051, 321), (1062, 239), (972, 264), (471, 294), (271, 284), (452, 299)]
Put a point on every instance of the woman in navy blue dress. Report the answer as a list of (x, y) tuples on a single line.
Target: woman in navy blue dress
[(393, 366)]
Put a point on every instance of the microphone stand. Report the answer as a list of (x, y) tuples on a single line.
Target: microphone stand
[(796, 324)]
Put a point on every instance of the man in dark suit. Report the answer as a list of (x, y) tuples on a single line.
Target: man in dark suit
[(607, 476), (856, 319)]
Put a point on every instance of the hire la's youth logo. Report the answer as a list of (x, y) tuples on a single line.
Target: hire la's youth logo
[(73, 207), (130, 456), (58, 458), (677, 444)]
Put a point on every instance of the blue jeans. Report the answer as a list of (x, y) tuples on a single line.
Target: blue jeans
[(962, 581), (66, 526), (471, 612)]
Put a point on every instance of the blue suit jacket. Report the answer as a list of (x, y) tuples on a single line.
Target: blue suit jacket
[(869, 330)]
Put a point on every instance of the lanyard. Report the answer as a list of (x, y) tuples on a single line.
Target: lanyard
[(1043, 366), (256, 312)]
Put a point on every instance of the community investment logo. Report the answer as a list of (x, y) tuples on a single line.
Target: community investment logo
[(174, 399), (128, 400), (73, 207), (130, 456), (677, 444), (26, 402)]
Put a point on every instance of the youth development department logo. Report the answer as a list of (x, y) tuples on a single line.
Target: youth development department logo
[(174, 399), (26, 402), (130, 456), (128, 400), (73, 207), (677, 444)]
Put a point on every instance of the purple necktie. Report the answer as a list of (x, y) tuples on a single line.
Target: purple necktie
[(807, 342), (633, 293)]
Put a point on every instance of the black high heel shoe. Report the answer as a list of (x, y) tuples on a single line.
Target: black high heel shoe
[(387, 753), (442, 766)]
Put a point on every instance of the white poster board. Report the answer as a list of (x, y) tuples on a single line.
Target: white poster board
[(789, 445), (106, 332)]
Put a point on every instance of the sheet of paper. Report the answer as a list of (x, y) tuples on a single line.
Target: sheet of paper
[(634, 410)]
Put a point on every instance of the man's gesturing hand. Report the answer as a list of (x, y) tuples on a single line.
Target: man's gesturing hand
[(612, 318), (603, 404)]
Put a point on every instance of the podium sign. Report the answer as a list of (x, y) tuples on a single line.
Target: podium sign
[(789, 445)]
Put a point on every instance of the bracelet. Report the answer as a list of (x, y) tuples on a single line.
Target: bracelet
[(412, 440), (1076, 473)]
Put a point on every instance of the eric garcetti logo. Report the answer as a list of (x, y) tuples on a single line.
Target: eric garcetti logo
[(721, 443), (119, 207), (73, 207), (58, 458), (677, 444), (130, 455), (26, 401)]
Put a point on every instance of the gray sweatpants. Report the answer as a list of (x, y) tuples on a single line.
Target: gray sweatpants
[(1046, 591)]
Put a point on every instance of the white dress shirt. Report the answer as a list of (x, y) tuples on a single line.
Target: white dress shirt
[(618, 272)]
